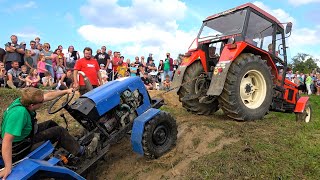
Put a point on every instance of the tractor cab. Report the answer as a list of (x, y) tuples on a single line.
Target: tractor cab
[(238, 63), (246, 23)]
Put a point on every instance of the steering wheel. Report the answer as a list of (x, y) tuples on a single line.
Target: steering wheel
[(64, 104)]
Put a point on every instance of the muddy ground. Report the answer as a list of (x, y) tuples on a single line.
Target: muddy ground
[(194, 141)]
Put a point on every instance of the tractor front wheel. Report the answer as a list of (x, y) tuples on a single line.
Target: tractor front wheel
[(159, 136), (247, 92), (305, 116)]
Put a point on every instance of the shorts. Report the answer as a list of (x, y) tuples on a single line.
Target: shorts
[(59, 75)]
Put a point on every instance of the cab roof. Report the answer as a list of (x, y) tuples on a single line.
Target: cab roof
[(264, 13)]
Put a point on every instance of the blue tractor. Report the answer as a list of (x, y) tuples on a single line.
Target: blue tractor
[(113, 110)]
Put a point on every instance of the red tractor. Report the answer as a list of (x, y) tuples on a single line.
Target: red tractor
[(238, 63)]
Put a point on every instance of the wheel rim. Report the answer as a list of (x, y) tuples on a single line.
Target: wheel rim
[(253, 89), (308, 112), (160, 135)]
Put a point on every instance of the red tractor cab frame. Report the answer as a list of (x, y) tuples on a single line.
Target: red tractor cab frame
[(243, 33)]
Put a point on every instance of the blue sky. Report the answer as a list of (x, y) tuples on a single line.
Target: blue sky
[(137, 27)]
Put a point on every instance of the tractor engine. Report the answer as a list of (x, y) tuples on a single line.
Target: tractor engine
[(122, 114)]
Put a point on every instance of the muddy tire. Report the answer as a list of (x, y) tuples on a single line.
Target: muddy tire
[(159, 136), (305, 116), (247, 92), (189, 89)]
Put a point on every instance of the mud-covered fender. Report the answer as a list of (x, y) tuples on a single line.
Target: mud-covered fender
[(138, 129), (218, 78), (178, 77), (301, 104)]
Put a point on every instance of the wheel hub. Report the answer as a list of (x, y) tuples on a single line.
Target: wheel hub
[(159, 136), (253, 89), (249, 88)]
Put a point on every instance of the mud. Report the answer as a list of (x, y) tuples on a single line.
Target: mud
[(194, 141)]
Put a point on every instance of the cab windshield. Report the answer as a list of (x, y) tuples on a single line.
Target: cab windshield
[(224, 25)]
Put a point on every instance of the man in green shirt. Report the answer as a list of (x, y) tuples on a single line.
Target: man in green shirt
[(168, 66), (19, 123)]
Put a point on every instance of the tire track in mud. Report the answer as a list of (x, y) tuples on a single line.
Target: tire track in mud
[(193, 143)]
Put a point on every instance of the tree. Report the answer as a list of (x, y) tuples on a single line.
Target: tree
[(303, 63)]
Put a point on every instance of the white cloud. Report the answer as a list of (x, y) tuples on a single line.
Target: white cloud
[(280, 14), (144, 26), (140, 39), (110, 13), (304, 36), (302, 2), (26, 35)]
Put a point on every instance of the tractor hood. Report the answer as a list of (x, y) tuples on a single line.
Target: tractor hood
[(104, 98)]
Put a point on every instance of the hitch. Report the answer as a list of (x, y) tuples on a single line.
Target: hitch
[(157, 103)]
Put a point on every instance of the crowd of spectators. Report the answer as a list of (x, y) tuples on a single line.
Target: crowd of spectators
[(39, 66), (308, 83), (43, 67)]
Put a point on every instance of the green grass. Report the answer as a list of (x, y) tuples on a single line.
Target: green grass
[(277, 147), (6, 97)]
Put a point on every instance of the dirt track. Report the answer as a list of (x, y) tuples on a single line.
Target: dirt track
[(194, 141)]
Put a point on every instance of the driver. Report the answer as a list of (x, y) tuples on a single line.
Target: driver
[(20, 123)]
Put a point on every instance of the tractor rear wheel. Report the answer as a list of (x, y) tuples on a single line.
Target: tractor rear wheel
[(305, 116), (247, 92), (159, 136), (194, 86)]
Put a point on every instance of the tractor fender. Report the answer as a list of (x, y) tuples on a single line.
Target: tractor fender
[(138, 129), (178, 77), (301, 104), (197, 55), (218, 78)]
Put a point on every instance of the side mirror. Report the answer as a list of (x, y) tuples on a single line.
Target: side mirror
[(289, 28)]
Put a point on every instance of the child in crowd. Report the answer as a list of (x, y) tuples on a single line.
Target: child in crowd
[(103, 73), (133, 69), (41, 66), (141, 70), (60, 68), (147, 82), (122, 67), (28, 61), (33, 79), (3, 75), (47, 80), (66, 80), (166, 83), (22, 76)]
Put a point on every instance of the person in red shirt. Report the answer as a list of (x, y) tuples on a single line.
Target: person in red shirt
[(90, 67)]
